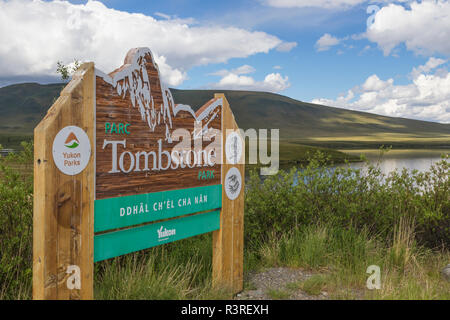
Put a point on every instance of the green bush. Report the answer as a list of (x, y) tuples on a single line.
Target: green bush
[(362, 198), (16, 221)]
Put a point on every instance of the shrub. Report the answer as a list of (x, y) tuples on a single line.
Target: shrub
[(362, 198), (16, 221)]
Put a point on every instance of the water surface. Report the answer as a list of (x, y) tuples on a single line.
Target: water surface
[(420, 159)]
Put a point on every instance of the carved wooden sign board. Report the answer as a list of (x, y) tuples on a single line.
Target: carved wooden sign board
[(119, 167)]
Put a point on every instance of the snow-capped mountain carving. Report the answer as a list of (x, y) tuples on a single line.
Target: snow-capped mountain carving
[(139, 80)]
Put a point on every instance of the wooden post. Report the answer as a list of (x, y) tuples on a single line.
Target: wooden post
[(228, 241), (63, 217)]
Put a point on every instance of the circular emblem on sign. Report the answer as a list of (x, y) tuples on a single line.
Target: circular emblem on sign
[(233, 183), (233, 148), (71, 150)]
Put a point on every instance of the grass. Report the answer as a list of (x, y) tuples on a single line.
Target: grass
[(398, 153), (293, 286), (374, 142), (278, 294), (339, 258), (144, 278), (294, 153), (314, 285), (174, 271), (12, 141)]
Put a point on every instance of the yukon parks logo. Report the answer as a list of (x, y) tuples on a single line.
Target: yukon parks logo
[(72, 141), (71, 150)]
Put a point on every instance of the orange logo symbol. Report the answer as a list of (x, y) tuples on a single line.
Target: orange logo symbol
[(72, 141)]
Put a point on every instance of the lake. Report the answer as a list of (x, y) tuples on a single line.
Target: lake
[(420, 159)]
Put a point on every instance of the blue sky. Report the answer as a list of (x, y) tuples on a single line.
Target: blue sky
[(317, 51), (311, 74)]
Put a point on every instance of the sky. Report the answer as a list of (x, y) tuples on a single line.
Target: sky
[(384, 57)]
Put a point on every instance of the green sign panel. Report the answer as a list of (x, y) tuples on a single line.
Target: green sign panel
[(112, 244), (114, 213)]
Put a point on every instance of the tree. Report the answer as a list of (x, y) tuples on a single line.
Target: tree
[(67, 70)]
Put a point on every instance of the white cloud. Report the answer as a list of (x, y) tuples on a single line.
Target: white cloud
[(365, 49), (277, 67), (37, 34), (326, 42), (427, 97), (171, 76), (245, 69), (424, 27), (286, 46), (373, 83), (162, 15), (237, 80), (431, 64), (327, 4)]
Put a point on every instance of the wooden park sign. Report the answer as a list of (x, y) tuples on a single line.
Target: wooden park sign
[(119, 167)]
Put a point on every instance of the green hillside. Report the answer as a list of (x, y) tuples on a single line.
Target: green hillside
[(22, 106), (301, 122)]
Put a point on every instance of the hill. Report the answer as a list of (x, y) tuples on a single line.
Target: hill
[(312, 124), (22, 106)]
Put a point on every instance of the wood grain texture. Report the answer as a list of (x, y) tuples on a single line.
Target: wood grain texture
[(115, 108), (63, 206), (228, 242)]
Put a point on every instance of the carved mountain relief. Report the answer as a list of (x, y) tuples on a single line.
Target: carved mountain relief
[(135, 107)]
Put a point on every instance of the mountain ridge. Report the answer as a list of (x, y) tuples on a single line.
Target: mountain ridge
[(22, 106)]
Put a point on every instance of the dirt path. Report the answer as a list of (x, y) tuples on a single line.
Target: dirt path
[(278, 283)]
